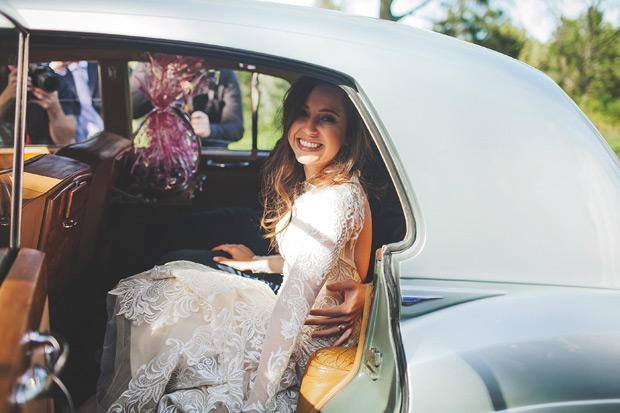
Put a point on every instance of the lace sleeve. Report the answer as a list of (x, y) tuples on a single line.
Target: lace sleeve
[(320, 231)]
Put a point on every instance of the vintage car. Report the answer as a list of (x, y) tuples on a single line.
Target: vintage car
[(497, 267)]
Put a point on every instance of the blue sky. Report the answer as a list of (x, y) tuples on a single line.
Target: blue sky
[(538, 17)]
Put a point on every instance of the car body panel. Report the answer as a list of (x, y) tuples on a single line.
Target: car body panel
[(457, 111), (511, 198), (531, 346)]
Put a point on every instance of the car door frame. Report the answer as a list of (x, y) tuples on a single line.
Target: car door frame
[(23, 288)]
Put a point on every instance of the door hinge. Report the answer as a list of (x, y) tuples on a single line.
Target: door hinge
[(372, 362)]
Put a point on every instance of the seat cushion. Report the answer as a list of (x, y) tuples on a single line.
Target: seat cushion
[(326, 369)]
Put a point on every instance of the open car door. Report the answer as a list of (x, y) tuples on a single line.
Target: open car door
[(30, 358)]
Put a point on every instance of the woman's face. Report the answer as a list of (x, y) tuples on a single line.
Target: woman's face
[(319, 131)]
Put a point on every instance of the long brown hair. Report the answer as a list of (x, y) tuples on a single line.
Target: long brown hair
[(283, 176)]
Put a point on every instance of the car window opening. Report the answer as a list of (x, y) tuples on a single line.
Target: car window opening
[(121, 227)]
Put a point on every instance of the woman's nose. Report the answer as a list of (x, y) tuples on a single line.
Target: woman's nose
[(310, 127)]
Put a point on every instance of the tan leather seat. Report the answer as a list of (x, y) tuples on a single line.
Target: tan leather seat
[(103, 153), (330, 369), (55, 191)]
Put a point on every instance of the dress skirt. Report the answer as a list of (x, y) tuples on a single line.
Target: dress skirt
[(183, 337)]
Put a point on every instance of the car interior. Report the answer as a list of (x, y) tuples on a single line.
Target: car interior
[(95, 222)]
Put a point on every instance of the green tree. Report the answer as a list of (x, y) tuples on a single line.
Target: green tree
[(385, 9), (329, 4), (477, 22), (580, 53), (584, 59)]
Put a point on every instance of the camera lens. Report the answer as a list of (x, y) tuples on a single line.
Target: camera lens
[(49, 83), (44, 77)]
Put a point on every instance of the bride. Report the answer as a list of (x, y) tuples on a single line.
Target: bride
[(185, 337)]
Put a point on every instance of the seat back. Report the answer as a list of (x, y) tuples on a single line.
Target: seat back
[(103, 153), (55, 191), (331, 368)]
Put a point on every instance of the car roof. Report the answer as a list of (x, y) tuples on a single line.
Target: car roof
[(506, 178)]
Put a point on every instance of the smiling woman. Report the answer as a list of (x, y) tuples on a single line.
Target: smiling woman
[(241, 347)]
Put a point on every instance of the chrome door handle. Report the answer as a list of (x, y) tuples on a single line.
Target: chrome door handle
[(37, 381), (32, 384), (69, 223), (55, 350), (227, 164)]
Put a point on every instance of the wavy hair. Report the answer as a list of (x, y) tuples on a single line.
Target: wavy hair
[(283, 176)]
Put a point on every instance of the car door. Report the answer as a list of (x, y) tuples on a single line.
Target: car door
[(30, 357)]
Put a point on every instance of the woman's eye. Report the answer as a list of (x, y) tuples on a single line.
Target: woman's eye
[(329, 119)]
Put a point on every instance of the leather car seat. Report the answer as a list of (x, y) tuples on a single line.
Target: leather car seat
[(331, 368), (103, 153)]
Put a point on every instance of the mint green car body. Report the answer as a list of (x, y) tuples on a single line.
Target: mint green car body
[(505, 293)]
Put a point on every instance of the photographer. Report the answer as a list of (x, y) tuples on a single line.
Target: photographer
[(49, 117)]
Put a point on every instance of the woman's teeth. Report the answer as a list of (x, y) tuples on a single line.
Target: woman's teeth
[(311, 145)]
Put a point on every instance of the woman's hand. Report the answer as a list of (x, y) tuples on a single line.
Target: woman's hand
[(244, 259), (241, 256), (341, 318)]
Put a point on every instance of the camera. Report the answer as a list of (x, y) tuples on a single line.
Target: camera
[(43, 77)]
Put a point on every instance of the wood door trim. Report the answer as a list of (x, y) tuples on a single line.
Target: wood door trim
[(22, 304)]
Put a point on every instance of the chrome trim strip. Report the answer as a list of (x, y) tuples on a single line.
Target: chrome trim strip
[(409, 300), (19, 140), (393, 289), (397, 174), (563, 405), (211, 162)]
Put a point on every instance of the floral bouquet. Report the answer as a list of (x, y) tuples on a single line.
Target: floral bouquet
[(166, 150)]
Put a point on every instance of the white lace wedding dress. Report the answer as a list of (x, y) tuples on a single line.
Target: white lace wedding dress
[(188, 338)]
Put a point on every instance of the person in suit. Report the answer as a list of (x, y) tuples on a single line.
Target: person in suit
[(81, 79)]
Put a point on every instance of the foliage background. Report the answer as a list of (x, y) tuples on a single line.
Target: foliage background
[(271, 92), (582, 54)]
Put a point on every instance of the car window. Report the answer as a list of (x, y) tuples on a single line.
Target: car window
[(271, 92), (63, 103), (223, 113)]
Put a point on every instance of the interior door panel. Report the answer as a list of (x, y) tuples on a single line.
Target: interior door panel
[(23, 308)]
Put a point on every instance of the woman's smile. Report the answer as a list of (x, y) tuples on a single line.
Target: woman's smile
[(319, 130), (309, 145)]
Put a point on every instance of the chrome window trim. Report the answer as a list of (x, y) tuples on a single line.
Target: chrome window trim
[(19, 139), (19, 134), (385, 255)]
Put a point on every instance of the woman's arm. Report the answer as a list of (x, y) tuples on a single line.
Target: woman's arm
[(318, 246), (244, 259)]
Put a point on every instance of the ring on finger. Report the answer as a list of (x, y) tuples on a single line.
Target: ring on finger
[(340, 328)]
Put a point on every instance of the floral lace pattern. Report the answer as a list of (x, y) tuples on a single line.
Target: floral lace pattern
[(188, 338)]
